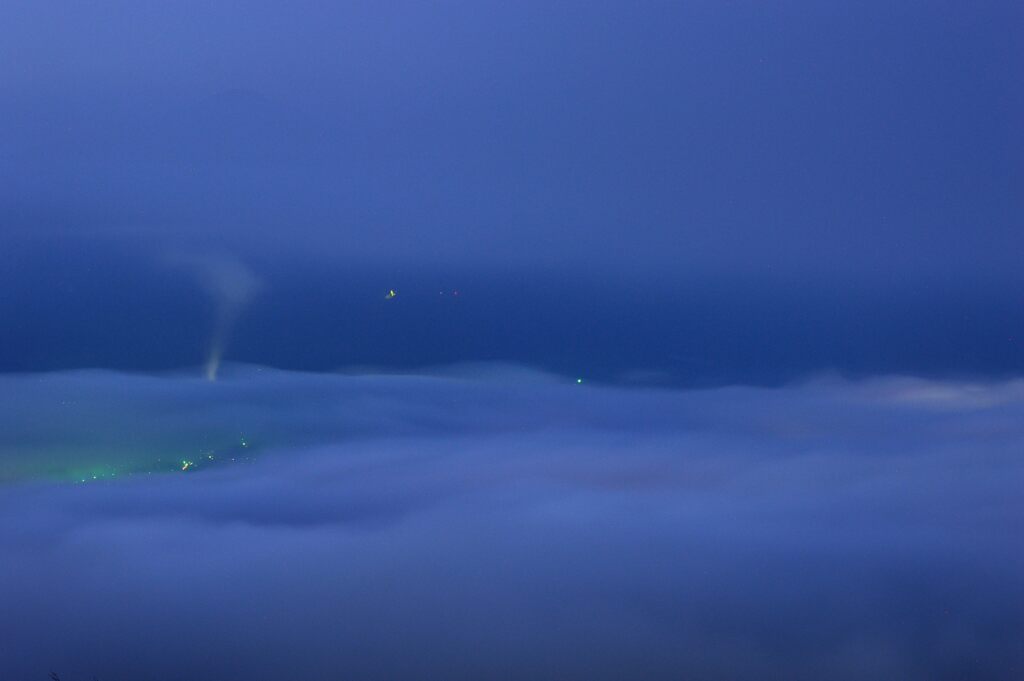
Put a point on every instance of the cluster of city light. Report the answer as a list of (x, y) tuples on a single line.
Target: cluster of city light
[(161, 466)]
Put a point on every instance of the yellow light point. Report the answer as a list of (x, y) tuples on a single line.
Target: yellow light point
[(185, 465), (391, 294)]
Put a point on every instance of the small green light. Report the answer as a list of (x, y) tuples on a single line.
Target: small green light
[(579, 381)]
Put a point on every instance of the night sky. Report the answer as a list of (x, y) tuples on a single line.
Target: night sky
[(511, 340)]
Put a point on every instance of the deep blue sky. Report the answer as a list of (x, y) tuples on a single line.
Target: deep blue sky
[(779, 242), (739, 191)]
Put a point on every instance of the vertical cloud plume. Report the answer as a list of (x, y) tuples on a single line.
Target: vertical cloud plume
[(231, 285)]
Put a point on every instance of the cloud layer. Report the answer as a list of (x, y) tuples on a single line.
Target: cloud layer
[(504, 524)]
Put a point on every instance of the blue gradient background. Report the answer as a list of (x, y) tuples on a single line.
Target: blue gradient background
[(779, 242)]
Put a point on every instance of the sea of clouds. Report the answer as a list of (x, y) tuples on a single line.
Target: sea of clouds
[(497, 523)]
